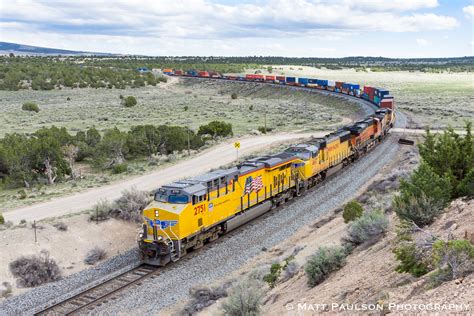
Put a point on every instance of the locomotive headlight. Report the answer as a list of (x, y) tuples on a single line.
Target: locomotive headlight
[(160, 238), (156, 213), (140, 235)]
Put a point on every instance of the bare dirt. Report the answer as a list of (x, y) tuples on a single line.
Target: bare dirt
[(68, 247)]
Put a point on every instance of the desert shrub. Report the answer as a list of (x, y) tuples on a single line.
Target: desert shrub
[(422, 210), (5, 290), (30, 106), (60, 226), (367, 228), (100, 211), (274, 274), (451, 156), (352, 211), (233, 96), (95, 255), (22, 194), (264, 130), (203, 296), (290, 270), (325, 261), (466, 186), (129, 101), (119, 168), (411, 259), (130, 205), (185, 108), (216, 129), (423, 196), (2, 219), (251, 107), (455, 256), (35, 270), (245, 298)]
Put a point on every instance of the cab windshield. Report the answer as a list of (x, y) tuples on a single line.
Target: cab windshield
[(173, 198)]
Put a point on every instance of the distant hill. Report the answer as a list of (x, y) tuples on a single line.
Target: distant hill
[(20, 49)]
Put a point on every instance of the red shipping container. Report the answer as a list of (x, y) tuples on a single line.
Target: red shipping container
[(270, 78), (178, 72), (339, 84), (387, 103), (280, 78), (203, 74)]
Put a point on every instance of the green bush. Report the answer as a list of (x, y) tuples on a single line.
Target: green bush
[(34, 270), (423, 196), (466, 186), (455, 256), (325, 261), (352, 211), (272, 277), (216, 129), (129, 101), (421, 210), (30, 106), (411, 260), (233, 96), (368, 228), (2, 219), (100, 211), (245, 298), (119, 168), (264, 130)]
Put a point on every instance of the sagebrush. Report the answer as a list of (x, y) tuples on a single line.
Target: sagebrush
[(368, 228), (325, 261), (95, 255), (35, 270), (245, 298)]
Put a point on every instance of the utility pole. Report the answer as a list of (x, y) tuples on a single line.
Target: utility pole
[(189, 143), (265, 120)]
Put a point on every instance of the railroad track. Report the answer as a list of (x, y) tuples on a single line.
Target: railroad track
[(86, 301)]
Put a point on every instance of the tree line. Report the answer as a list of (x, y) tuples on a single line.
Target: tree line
[(49, 154), (50, 73)]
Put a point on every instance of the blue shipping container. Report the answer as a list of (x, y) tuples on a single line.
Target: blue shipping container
[(323, 83), (290, 80), (313, 81), (303, 81), (193, 73)]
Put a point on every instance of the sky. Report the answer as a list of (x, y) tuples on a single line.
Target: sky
[(296, 28)]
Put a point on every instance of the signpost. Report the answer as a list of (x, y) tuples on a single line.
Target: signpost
[(237, 146)]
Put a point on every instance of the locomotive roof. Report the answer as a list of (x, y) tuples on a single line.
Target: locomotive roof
[(199, 183)]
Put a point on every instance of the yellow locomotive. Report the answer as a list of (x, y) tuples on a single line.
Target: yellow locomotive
[(189, 213)]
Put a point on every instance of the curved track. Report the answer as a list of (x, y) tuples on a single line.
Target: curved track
[(89, 299)]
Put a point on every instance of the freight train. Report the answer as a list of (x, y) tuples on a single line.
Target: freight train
[(187, 214), (378, 96)]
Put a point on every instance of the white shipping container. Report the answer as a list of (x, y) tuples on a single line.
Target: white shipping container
[(331, 83)]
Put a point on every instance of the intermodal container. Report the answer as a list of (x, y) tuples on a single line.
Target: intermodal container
[(303, 81), (178, 72), (203, 74), (377, 100), (313, 81), (168, 71), (280, 79), (192, 73), (331, 83), (387, 103), (369, 90), (214, 74), (291, 81), (270, 78), (322, 83), (339, 84)]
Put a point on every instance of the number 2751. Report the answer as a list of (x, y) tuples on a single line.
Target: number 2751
[(199, 209)]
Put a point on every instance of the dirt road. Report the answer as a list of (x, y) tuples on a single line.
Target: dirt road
[(217, 156)]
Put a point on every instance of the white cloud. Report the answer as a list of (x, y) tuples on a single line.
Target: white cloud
[(469, 11), (422, 42), (162, 26)]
